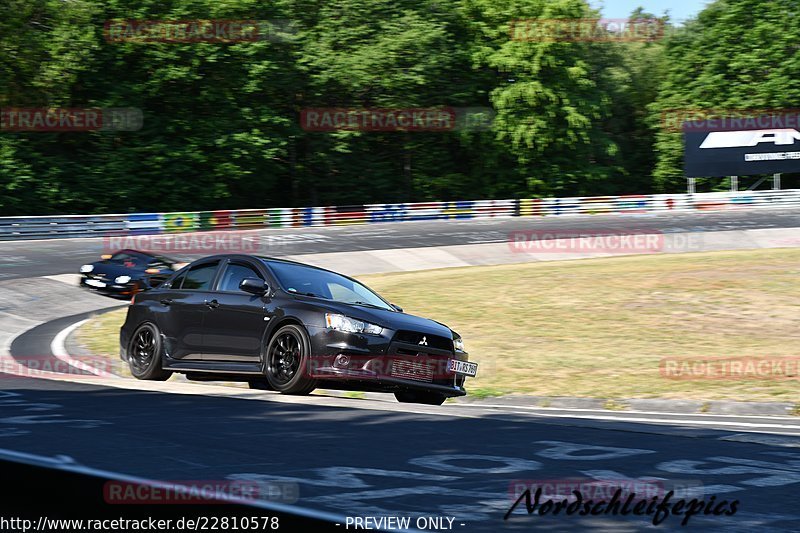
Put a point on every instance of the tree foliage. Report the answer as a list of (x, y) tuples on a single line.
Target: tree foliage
[(222, 120)]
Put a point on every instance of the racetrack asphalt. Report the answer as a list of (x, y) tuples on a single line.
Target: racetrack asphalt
[(58, 256), (378, 458), (354, 458)]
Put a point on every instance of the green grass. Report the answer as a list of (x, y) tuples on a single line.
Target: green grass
[(598, 328), (100, 336), (482, 393)]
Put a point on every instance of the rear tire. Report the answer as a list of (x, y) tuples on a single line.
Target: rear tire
[(286, 361), (144, 354), (427, 398)]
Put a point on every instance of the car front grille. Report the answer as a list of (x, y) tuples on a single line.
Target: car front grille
[(431, 341), (417, 371)]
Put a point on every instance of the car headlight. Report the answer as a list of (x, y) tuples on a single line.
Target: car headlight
[(85, 269), (351, 325), (458, 344), (122, 279)]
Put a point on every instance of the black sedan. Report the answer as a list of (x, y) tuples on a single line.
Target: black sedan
[(289, 327), (127, 272)]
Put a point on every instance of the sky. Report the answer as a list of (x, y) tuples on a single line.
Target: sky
[(679, 10)]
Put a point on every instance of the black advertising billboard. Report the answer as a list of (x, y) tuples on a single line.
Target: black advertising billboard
[(742, 145)]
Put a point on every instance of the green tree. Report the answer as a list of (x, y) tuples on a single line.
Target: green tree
[(736, 55)]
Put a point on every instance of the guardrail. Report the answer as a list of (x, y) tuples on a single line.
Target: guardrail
[(48, 227)]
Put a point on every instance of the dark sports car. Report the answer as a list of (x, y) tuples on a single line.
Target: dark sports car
[(127, 272), (289, 327)]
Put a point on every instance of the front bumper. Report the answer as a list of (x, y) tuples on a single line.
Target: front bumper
[(379, 363), (111, 288)]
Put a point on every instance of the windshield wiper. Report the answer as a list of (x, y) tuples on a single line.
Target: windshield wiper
[(368, 305), (290, 291)]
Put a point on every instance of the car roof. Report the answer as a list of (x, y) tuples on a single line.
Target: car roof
[(266, 259)]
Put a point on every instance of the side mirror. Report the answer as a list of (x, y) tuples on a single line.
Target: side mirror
[(255, 286), (105, 256), (397, 308)]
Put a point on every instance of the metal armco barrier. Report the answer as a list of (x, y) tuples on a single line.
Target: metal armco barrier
[(48, 227)]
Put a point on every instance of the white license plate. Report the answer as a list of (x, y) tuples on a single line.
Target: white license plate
[(95, 283), (462, 367)]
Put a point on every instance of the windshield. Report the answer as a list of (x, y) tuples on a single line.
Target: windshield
[(127, 259), (299, 279)]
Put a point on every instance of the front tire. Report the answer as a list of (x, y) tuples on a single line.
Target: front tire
[(427, 398), (144, 354), (287, 359)]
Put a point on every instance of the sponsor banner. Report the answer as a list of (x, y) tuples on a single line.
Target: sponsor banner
[(587, 30), (529, 207), (247, 219), (730, 368), (633, 204), (494, 208), (176, 222), (215, 219), (562, 206), (598, 205), (73, 119), (425, 211), (197, 31), (143, 223), (386, 212), (281, 217), (458, 210), (305, 216), (766, 144), (198, 492), (346, 214)]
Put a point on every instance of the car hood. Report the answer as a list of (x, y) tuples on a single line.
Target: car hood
[(388, 319), (113, 269)]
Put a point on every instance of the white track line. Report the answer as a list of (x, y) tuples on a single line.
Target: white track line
[(627, 411), (670, 420), (59, 350)]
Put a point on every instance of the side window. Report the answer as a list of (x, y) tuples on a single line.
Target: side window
[(199, 278), (128, 260), (177, 282), (234, 274)]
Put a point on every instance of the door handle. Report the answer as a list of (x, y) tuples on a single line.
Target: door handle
[(166, 301), (213, 304)]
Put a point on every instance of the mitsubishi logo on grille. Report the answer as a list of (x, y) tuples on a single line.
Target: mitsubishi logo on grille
[(424, 341)]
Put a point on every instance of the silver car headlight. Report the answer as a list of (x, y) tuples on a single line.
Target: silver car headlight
[(85, 269), (351, 325), (122, 279)]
